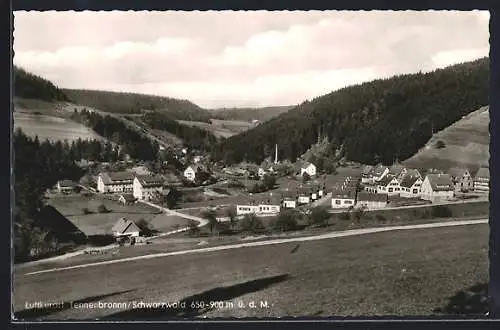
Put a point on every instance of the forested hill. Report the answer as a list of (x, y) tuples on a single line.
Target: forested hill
[(249, 114), (376, 121), (30, 86), (116, 102)]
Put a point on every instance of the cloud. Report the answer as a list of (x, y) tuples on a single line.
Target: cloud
[(240, 58)]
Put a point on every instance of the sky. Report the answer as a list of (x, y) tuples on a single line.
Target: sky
[(241, 59)]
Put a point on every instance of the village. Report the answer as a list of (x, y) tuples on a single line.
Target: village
[(269, 189)]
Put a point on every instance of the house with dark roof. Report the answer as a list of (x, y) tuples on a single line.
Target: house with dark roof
[(482, 180), (343, 197), (371, 201), (437, 187), (462, 179), (389, 184), (146, 187), (262, 205), (124, 227), (411, 186), (66, 186), (289, 200), (366, 174), (115, 182), (397, 170)]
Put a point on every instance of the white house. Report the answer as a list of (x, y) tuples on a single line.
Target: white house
[(437, 187), (124, 227), (343, 198), (115, 182), (289, 202), (261, 172), (65, 186), (411, 186), (388, 185), (190, 173), (263, 206), (147, 187), (379, 172), (308, 168), (371, 201), (304, 196), (482, 180), (462, 179)]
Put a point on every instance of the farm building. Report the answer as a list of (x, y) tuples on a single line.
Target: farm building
[(66, 186), (462, 179), (115, 182), (147, 186), (411, 186), (343, 198), (437, 187), (371, 201), (127, 199), (388, 185), (482, 180), (124, 227)]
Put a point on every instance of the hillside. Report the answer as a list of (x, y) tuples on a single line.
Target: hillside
[(381, 120), (464, 143), (128, 103), (30, 86), (249, 114)]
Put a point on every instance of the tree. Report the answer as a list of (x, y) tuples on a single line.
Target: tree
[(172, 198), (231, 214), (145, 227), (251, 223), (319, 216), (211, 216), (286, 221), (269, 181), (193, 227), (103, 209), (358, 214), (306, 177)]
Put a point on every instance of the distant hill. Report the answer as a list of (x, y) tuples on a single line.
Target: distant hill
[(249, 114), (30, 86), (382, 120), (464, 143), (129, 103)]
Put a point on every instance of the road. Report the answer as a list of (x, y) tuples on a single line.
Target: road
[(478, 200), (330, 235)]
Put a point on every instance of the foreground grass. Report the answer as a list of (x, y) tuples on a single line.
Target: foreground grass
[(413, 272)]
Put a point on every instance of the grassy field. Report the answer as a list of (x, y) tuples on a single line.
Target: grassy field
[(97, 223), (466, 143), (417, 272), (221, 128)]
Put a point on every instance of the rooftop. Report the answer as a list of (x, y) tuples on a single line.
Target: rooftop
[(440, 182), (150, 180), (483, 173), (409, 180), (116, 177), (123, 225)]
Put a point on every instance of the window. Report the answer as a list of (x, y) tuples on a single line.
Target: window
[(415, 191), (390, 189), (397, 189), (337, 201), (347, 202)]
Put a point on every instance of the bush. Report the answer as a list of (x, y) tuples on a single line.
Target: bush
[(286, 221), (380, 217), (145, 228), (319, 216), (440, 144), (86, 210), (251, 223), (306, 177), (103, 209), (345, 216), (193, 227), (441, 211)]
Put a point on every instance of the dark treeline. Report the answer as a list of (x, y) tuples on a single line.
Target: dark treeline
[(133, 143), (382, 120), (193, 137), (249, 114), (30, 86), (37, 167), (116, 102)]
